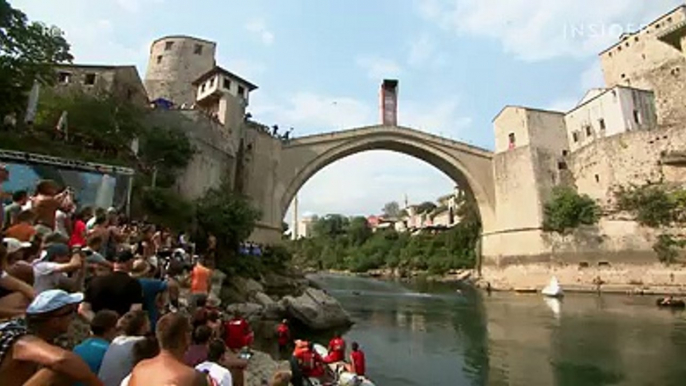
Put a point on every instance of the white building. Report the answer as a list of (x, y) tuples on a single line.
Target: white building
[(607, 112)]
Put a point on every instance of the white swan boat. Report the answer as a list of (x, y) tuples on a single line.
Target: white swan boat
[(553, 289)]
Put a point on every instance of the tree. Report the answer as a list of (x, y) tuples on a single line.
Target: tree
[(229, 217), (359, 231), (330, 226), (166, 151), (28, 53), (426, 207), (567, 210), (391, 210)]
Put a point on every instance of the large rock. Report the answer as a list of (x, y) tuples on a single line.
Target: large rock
[(282, 285), (262, 299), (317, 310), (249, 311), (262, 368)]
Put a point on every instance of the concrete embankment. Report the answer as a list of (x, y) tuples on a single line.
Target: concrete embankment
[(617, 278)]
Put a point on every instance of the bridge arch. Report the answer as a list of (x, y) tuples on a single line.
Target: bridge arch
[(470, 167)]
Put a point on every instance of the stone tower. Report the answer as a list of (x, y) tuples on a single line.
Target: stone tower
[(174, 63)]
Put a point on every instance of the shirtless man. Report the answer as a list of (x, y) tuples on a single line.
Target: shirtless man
[(174, 336), (25, 347), (45, 205)]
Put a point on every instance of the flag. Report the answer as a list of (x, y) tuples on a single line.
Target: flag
[(62, 125), (33, 103)]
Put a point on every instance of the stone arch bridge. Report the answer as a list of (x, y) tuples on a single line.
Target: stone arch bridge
[(469, 166)]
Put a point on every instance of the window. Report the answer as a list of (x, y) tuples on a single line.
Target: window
[(129, 94), (202, 88), (211, 82), (609, 54), (669, 19), (159, 59), (626, 44), (63, 77), (619, 48), (601, 122), (637, 117), (198, 49), (623, 76), (511, 140), (227, 83), (241, 91), (657, 26), (89, 80), (565, 153), (597, 178), (168, 46), (575, 136), (561, 166), (636, 38), (588, 131)]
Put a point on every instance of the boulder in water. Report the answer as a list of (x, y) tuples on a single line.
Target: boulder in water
[(317, 310)]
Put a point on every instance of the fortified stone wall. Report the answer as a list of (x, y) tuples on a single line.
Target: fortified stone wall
[(262, 155), (214, 161), (625, 159), (174, 63)]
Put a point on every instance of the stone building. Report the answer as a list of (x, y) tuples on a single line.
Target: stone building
[(607, 112), (223, 95), (644, 60), (175, 62), (122, 82)]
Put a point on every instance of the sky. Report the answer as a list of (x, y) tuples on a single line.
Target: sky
[(319, 65)]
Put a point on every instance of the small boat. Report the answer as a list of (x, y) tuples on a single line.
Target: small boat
[(342, 376), (553, 289), (670, 302)]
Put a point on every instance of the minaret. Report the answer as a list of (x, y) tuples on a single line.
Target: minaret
[(406, 202), (294, 232)]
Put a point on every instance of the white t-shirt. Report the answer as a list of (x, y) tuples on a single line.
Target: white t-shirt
[(60, 223), (45, 277), (118, 360), (218, 373)]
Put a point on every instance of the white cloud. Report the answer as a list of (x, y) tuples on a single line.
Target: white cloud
[(362, 183), (440, 118), (424, 52), (260, 29), (310, 112), (379, 68), (535, 30), (592, 77), (245, 68)]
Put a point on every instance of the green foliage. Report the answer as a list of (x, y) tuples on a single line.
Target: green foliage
[(667, 248), (28, 53), (426, 207), (652, 205), (168, 150), (228, 216), (348, 244), (165, 207), (567, 210)]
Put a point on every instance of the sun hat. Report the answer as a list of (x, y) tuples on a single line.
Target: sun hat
[(51, 300), (14, 245)]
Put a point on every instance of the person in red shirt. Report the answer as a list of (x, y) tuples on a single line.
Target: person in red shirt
[(311, 363), (283, 336), (336, 350), (357, 361), (78, 235), (238, 333)]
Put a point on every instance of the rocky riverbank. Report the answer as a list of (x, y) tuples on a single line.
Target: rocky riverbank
[(286, 295), (453, 276), (616, 278)]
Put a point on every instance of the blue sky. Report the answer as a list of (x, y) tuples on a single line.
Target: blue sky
[(319, 64)]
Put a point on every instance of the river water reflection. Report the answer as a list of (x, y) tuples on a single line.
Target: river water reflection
[(429, 334)]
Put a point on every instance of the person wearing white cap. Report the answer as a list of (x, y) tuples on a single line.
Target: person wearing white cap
[(27, 356)]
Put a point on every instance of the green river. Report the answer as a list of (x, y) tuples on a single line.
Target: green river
[(419, 334)]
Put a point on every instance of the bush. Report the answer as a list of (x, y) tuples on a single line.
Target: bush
[(651, 204), (165, 207), (567, 210), (667, 248)]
